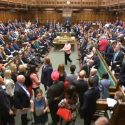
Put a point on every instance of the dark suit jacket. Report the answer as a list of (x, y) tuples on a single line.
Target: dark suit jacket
[(7, 51), (4, 103), (109, 53), (122, 74), (96, 62), (21, 99), (119, 58), (56, 90), (16, 47), (81, 86), (2, 42), (46, 75), (2, 58), (89, 105), (96, 80)]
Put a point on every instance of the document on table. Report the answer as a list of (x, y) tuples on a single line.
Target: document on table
[(111, 102)]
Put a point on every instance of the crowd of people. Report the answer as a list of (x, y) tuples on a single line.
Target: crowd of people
[(20, 91)]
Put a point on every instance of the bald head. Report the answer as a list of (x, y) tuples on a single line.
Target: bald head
[(102, 121), (21, 79), (90, 62), (82, 74), (93, 71)]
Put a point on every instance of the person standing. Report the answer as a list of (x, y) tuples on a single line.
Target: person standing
[(62, 73), (46, 73), (81, 87), (122, 74), (72, 76), (21, 99), (6, 113), (89, 105), (40, 108), (55, 94), (104, 84), (70, 102), (67, 50)]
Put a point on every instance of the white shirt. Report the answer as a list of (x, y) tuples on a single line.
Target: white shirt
[(67, 48)]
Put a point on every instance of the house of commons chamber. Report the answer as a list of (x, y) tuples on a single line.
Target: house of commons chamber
[(62, 62)]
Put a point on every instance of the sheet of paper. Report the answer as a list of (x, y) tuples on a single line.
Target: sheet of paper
[(111, 102)]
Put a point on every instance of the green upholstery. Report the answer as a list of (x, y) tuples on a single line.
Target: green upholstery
[(102, 69)]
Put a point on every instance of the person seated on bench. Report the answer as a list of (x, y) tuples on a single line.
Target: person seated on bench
[(119, 96)]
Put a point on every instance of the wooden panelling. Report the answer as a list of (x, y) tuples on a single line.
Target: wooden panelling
[(92, 16), (60, 3), (122, 16), (86, 15), (6, 15), (28, 16), (51, 16)]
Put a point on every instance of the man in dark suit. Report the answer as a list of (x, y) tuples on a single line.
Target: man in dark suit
[(47, 24), (46, 73), (109, 52), (89, 104), (117, 58), (81, 86), (94, 76), (2, 42), (16, 46), (6, 113), (7, 50), (122, 74), (67, 25), (21, 98)]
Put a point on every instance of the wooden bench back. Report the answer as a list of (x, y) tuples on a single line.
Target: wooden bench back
[(118, 116)]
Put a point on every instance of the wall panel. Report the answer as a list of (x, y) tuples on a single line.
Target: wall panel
[(7, 15), (45, 15), (122, 16), (85, 15), (92, 16)]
